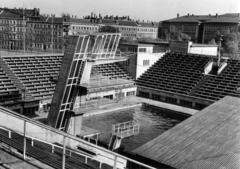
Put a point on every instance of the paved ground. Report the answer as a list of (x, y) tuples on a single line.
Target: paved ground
[(10, 161)]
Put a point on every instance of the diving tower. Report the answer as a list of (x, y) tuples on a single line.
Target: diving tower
[(82, 52)]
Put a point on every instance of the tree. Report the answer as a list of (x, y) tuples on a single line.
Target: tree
[(174, 34), (230, 43), (212, 42)]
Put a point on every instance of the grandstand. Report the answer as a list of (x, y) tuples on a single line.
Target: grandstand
[(28, 79), (181, 79)]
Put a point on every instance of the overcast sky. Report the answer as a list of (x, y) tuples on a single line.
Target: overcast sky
[(154, 10)]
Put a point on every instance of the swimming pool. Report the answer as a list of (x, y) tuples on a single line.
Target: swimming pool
[(153, 122)]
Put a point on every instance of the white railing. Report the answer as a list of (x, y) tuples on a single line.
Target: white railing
[(125, 129), (14, 122)]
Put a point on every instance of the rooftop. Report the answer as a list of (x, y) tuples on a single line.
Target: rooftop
[(226, 18), (208, 139)]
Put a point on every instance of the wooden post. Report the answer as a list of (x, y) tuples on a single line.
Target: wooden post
[(24, 140), (64, 151)]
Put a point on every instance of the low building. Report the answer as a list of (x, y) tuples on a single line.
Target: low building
[(141, 57)]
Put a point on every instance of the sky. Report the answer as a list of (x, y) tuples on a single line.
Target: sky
[(152, 10)]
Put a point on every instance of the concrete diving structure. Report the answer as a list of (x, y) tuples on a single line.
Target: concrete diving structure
[(82, 52)]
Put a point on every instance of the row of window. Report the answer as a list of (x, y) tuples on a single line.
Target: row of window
[(214, 28), (14, 22), (45, 25), (84, 28)]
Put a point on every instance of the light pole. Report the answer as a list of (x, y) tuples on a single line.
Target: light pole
[(219, 49)]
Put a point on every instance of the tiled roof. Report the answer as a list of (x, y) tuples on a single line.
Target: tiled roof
[(127, 23), (55, 19), (147, 24), (78, 20), (108, 22), (190, 18), (225, 18), (208, 139), (15, 13)]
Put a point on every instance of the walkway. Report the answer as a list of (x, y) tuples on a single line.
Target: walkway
[(43, 152)]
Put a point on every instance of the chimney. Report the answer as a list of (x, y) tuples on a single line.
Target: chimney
[(192, 14), (75, 16), (178, 15), (188, 15), (91, 14), (216, 14), (209, 14)]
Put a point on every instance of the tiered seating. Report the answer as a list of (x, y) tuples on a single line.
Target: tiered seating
[(175, 73), (223, 84), (8, 91), (35, 73), (112, 70)]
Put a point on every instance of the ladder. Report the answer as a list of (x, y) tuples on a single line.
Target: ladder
[(69, 114), (75, 88), (67, 121)]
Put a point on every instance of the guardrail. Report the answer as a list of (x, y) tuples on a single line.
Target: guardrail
[(35, 130)]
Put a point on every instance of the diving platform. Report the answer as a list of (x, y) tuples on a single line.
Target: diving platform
[(82, 53)]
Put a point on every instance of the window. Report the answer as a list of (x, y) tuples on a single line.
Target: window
[(142, 50), (145, 62)]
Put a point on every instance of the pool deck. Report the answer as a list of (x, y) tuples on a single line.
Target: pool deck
[(126, 103), (133, 101)]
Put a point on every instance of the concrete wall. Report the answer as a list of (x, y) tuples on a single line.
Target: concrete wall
[(146, 56), (111, 92), (204, 50), (179, 97)]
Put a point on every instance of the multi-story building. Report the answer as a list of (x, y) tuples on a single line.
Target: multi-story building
[(220, 23), (201, 28), (45, 34), (12, 26), (127, 27), (147, 30), (26, 29)]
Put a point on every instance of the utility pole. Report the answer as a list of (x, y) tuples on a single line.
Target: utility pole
[(219, 49), (24, 33), (52, 34)]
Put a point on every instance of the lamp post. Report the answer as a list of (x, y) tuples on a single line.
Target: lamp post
[(219, 49)]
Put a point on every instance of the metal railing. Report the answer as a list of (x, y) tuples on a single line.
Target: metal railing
[(125, 129), (41, 132)]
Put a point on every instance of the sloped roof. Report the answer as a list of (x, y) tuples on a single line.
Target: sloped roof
[(127, 23), (15, 13), (147, 24), (108, 22), (55, 19), (208, 139), (224, 18), (190, 18)]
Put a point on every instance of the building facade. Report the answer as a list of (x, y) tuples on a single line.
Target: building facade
[(26, 29), (201, 28), (129, 29)]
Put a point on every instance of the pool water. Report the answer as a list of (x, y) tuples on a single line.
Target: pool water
[(153, 122)]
